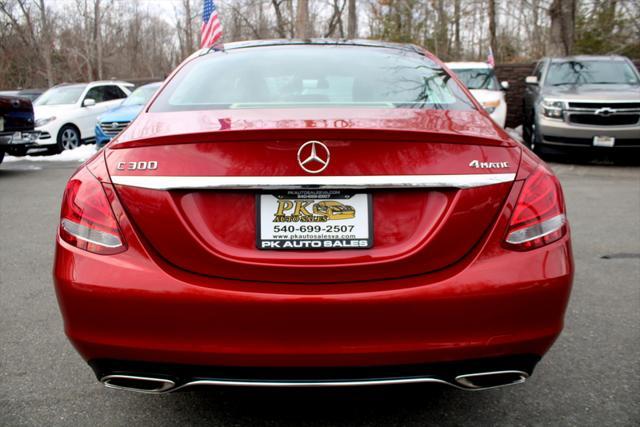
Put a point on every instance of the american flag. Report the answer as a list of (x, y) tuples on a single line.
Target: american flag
[(490, 59), (211, 30)]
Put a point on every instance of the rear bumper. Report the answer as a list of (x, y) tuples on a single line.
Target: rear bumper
[(18, 139), (129, 307), (161, 378), (625, 150)]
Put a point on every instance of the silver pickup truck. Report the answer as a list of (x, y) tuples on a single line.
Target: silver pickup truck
[(583, 104)]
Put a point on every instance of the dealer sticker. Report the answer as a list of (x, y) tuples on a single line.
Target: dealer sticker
[(314, 219)]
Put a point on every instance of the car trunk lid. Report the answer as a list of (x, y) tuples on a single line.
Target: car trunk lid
[(434, 190)]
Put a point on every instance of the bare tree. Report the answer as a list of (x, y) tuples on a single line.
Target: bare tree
[(303, 29), (335, 22), (38, 40), (46, 41), (185, 19), (352, 23), (290, 9), (456, 31), (562, 31), (281, 23), (442, 32), (79, 40), (492, 27), (252, 24), (97, 39)]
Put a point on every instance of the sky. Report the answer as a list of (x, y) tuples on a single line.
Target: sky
[(161, 7)]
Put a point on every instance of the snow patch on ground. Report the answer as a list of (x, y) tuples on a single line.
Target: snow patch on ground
[(515, 133), (79, 154)]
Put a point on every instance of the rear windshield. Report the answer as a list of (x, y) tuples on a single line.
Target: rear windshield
[(590, 72), (478, 78), (311, 76)]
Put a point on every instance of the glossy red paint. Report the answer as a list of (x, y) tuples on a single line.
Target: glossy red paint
[(136, 306), (465, 127), (213, 233), (439, 283)]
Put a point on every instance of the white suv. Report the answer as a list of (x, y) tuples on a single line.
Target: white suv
[(65, 115), (481, 81)]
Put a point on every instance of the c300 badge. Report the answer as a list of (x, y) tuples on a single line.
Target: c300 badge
[(137, 166)]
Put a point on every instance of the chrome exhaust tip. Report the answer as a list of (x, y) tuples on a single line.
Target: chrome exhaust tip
[(489, 380), (137, 383)]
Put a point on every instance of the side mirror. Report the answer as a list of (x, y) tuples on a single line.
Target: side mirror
[(88, 102), (504, 85), (531, 80)]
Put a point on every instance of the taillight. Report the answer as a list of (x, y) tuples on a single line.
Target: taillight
[(539, 215), (86, 220)]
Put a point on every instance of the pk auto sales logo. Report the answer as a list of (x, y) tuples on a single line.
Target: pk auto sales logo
[(312, 211)]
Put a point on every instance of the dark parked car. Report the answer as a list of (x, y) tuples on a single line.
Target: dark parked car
[(583, 104), (16, 125)]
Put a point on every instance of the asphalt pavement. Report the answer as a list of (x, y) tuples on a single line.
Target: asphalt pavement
[(591, 376)]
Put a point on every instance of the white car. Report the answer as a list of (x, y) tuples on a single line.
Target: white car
[(483, 84), (66, 115)]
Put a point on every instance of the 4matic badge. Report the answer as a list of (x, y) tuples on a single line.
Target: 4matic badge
[(488, 165)]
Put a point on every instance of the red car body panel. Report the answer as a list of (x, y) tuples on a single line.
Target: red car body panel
[(152, 311), (213, 233), (191, 288), (465, 127)]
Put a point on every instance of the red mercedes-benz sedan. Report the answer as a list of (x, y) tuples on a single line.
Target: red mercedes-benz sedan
[(289, 213)]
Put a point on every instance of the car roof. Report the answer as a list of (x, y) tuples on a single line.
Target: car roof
[(588, 58), (152, 84), (316, 42), (115, 82), (69, 85), (96, 83), (465, 65), (27, 91)]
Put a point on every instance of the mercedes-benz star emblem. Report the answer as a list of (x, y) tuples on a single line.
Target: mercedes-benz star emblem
[(313, 156)]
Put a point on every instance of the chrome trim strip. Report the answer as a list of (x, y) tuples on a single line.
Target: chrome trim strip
[(613, 110), (296, 182), (313, 384), (600, 101), (461, 382)]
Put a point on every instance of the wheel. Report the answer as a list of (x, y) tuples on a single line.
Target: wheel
[(534, 144), (68, 138), (527, 129), (547, 153)]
